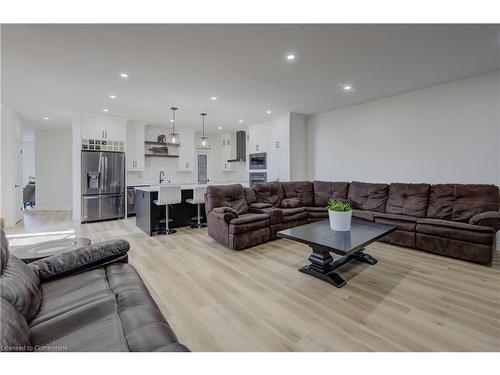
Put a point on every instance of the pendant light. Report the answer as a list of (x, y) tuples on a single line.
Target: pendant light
[(173, 138), (203, 141)]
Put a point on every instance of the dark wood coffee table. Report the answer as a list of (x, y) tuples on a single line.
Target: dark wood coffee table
[(323, 241)]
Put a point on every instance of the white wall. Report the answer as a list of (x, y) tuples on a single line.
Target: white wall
[(28, 155), (444, 133), (53, 153), (11, 166), (298, 147)]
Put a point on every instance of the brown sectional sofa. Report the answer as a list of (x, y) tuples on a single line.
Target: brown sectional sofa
[(448, 219)]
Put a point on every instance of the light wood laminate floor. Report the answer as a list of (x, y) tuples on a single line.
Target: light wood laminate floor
[(255, 300)]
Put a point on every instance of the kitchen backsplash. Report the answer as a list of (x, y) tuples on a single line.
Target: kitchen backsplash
[(169, 166)]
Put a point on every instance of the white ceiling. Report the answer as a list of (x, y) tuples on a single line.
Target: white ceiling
[(54, 70)]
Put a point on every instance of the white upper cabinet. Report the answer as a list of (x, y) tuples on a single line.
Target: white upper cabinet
[(115, 129), (269, 136), (186, 150), (103, 127), (284, 141), (279, 135), (92, 126), (135, 146)]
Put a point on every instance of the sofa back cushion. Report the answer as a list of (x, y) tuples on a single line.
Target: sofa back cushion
[(19, 284), (269, 192), (226, 196), (250, 195), (368, 197), (302, 190), (408, 199), (459, 202), (326, 190)]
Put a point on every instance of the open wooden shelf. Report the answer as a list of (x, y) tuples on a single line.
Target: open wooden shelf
[(160, 144), (162, 156)]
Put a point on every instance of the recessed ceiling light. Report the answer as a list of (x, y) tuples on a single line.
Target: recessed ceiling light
[(46, 118), (290, 57), (213, 98), (269, 111), (105, 110), (112, 96), (124, 75), (241, 121), (347, 87), (219, 127)]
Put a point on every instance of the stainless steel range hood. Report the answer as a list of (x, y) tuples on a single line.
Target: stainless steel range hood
[(239, 153)]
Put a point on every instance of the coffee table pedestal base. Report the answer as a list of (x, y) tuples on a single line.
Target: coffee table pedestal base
[(322, 265)]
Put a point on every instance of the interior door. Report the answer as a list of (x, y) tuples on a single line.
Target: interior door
[(19, 182)]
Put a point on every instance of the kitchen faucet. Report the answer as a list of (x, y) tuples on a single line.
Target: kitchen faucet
[(162, 176)]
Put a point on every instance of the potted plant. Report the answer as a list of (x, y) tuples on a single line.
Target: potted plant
[(340, 213)]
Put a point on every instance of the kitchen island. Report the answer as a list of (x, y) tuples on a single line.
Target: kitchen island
[(147, 213)]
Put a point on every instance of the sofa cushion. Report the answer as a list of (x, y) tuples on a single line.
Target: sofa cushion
[(291, 203), (294, 214), (293, 211), (402, 222), (317, 212), (456, 231), (459, 202), (361, 214), (260, 205), (14, 332), (125, 318), (269, 192), (250, 195), (367, 196), (326, 190), (19, 284), (299, 189), (408, 199), (68, 293), (249, 218), (317, 209), (226, 196), (247, 227)]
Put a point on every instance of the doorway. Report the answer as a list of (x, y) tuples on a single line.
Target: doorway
[(202, 168)]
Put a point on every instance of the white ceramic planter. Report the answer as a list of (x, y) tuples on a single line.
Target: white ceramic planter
[(340, 221)]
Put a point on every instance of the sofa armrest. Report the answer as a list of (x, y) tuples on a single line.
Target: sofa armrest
[(275, 214), (487, 219), (222, 210), (82, 259), (222, 216)]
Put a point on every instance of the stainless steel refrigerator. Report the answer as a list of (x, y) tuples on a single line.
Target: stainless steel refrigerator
[(103, 185)]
